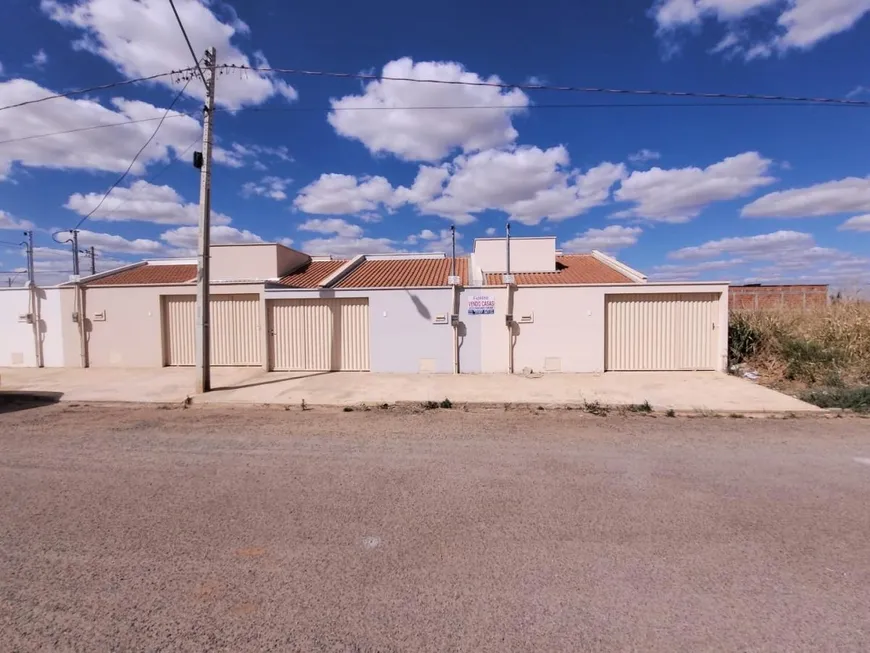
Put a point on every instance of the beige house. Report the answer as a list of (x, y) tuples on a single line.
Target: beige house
[(280, 309)]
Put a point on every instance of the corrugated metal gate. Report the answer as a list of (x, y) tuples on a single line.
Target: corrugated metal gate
[(235, 332), (661, 332), (319, 334)]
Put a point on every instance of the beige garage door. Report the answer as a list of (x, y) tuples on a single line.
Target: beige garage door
[(662, 332), (235, 333), (319, 334)]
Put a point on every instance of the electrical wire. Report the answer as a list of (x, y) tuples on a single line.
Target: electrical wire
[(548, 87), (158, 173), (93, 127), (133, 162), (189, 46), (597, 105), (10, 243), (102, 87)]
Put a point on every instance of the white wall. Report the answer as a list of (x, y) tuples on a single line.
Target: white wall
[(568, 325), (403, 335), (19, 341), (132, 333), (527, 254)]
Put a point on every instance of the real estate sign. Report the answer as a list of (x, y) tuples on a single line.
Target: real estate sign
[(481, 305)]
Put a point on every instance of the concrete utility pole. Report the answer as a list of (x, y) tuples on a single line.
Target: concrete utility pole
[(29, 245), (75, 250), (203, 326), (91, 254)]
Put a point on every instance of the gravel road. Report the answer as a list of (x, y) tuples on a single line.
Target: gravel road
[(141, 529)]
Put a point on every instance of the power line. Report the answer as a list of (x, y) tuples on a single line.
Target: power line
[(548, 87), (590, 105), (133, 162), (93, 127), (8, 242), (493, 107), (189, 46), (159, 172), (102, 87)]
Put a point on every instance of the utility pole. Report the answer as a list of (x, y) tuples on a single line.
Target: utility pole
[(75, 250), (91, 254), (29, 245), (203, 277)]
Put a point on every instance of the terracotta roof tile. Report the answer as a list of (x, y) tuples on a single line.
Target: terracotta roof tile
[(148, 275), (570, 270), (404, 273), (310, 275)]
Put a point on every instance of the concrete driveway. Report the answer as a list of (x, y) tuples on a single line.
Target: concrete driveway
[(682, 391)]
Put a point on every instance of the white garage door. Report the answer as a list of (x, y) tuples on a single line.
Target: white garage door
[(662, 332), (319, 334), (235, 332)]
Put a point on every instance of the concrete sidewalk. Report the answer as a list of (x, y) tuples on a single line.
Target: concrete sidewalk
[(682, 391)]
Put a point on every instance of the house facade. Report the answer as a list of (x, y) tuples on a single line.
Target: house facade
[(504, 308)]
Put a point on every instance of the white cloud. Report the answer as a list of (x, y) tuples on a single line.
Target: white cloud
[(858, 90), (103, 242), (691, 271), (109, 149), (779, 256), (9, 221), (428, 183), (799, 24), (186, 238), (332, 226), (858, 223), (435, 242), (39, 59), (53, 265), (609, 239), (527, 183), (756, 246), (644, 155), (680, 194), (348, 246), (272, 187), (142, 202), (240, 156), (376, 118), (141, 38), (850, 195), (334, 194), (490, 231)]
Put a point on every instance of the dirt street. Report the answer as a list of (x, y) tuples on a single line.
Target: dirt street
[(269, 530)]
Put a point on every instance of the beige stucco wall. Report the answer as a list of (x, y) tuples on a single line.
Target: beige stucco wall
[(132, 334), (246, 262), (568, 324), (289, 260), (527, 254)]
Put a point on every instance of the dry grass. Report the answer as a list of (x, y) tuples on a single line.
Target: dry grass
[(826, 347)]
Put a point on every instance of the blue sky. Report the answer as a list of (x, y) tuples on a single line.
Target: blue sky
[(762, 193)]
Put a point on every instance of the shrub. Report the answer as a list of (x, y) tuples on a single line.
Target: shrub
[(639, 408), (825, 346), (856, 399)]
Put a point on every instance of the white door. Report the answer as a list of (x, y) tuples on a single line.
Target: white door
[(319, 334), (675, 331), (235, 330)]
